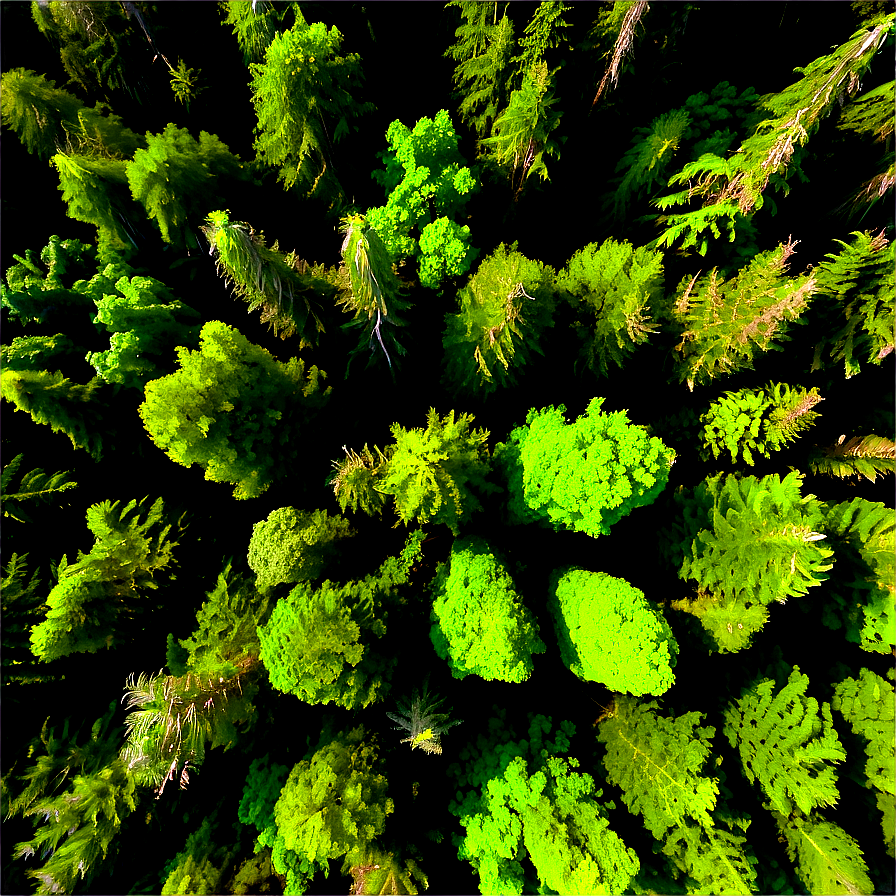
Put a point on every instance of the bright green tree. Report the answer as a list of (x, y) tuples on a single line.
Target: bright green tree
[(862, 456), (233, 409), (583, 476), (354, 480), (294, 545), (480, 625), (609, 632), (503, 310), (303, 94), (615, 291)]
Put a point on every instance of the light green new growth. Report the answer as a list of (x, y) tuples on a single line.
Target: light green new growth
[(36, 352), (657, 762), (96, 599), (784, 745), (419, 718), (607, 631), (255, 25), (295, 545), (857, 298), (868, 704), (200, 866), (726, 323), (758, 421), (480, 625), (504, 308), (233, 409), (729, 623), (614, 290), (585, 475)]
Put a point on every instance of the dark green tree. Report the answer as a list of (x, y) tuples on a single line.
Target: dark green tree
[(35, 485), (255, 25), (424, 725), (228, 405), (201, 865)]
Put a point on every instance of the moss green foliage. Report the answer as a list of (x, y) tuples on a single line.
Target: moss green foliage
[(304, 96), (98, 599), (228, 406), (480, 625), (430, 472), (45, 117), (200, 867), (734, 186), (78, 792), (758, 421), (615, 291), (584, 476), (503, 310), (295, 545), (419, 718), (375, 871), (607, 631), (785, 745), (35, 485), (36, 352), (727, 323), (867, 703), (177, 180), (354, 480), (372, 291), (334, 803), (862, 456), (145, 321), (518, 798), (287, 293), (427, 183), (483, 55), (861, 598), (658, 763), (856, 302), (315, 645)]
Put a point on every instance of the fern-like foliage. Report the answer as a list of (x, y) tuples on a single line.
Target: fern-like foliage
[(868, 704), (857, 302), (504, 308), (35, 485), (785, 745), (98, 599), (758, 421), (36, 352), (23, 606), (658, 763), (729, 623), (419, 717), (728, 322), (354, 480), (862, 456), (280, 285), (862, 598), (256, 24), (614, 290)]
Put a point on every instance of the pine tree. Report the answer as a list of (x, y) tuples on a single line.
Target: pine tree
[(860, 456), (615, 290), (728, 322), (255, 25), (619, 22), (497, 327), (423, 724), (33, 485), (288, 294), (227, 405), (201, 865), (304, 99)]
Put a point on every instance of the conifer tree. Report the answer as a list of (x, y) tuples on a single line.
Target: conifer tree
[(98, 600), (35, 485), (727, 323), (304, 99), (200, 866), (287, 293), (497, 328), (255, 25), (36, 352), (862, 456), (856, 304), (586, 475), (419, 718), (758, 421), (619, 23), (23, 606), (227, 405), (354, 480), (376, 871), (615, 290)]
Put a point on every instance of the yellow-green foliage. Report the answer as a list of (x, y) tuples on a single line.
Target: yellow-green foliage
[(233, 409), (584, 476), (294, 545), (480, 625), (609, 632), (199, 868)]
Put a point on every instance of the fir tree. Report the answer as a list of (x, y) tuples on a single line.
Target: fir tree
[(423, 724), (23, 606), (33, 485), (619, 23), (255, 25), (862, 456), (497, 327), (355, 481), (225, 407), (200, 866), (36, 352)]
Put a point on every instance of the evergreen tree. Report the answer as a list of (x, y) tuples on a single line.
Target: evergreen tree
[(303, 93), (98, 600), (496, 327), (200, 866), (419, 718), (480, 625), (227, 405), (36, 352), (355, 480), (255, 25), (23, 605), (864, 457), (728, 322), (614, 290), (586, 475), (33, 485), (380, 872)]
